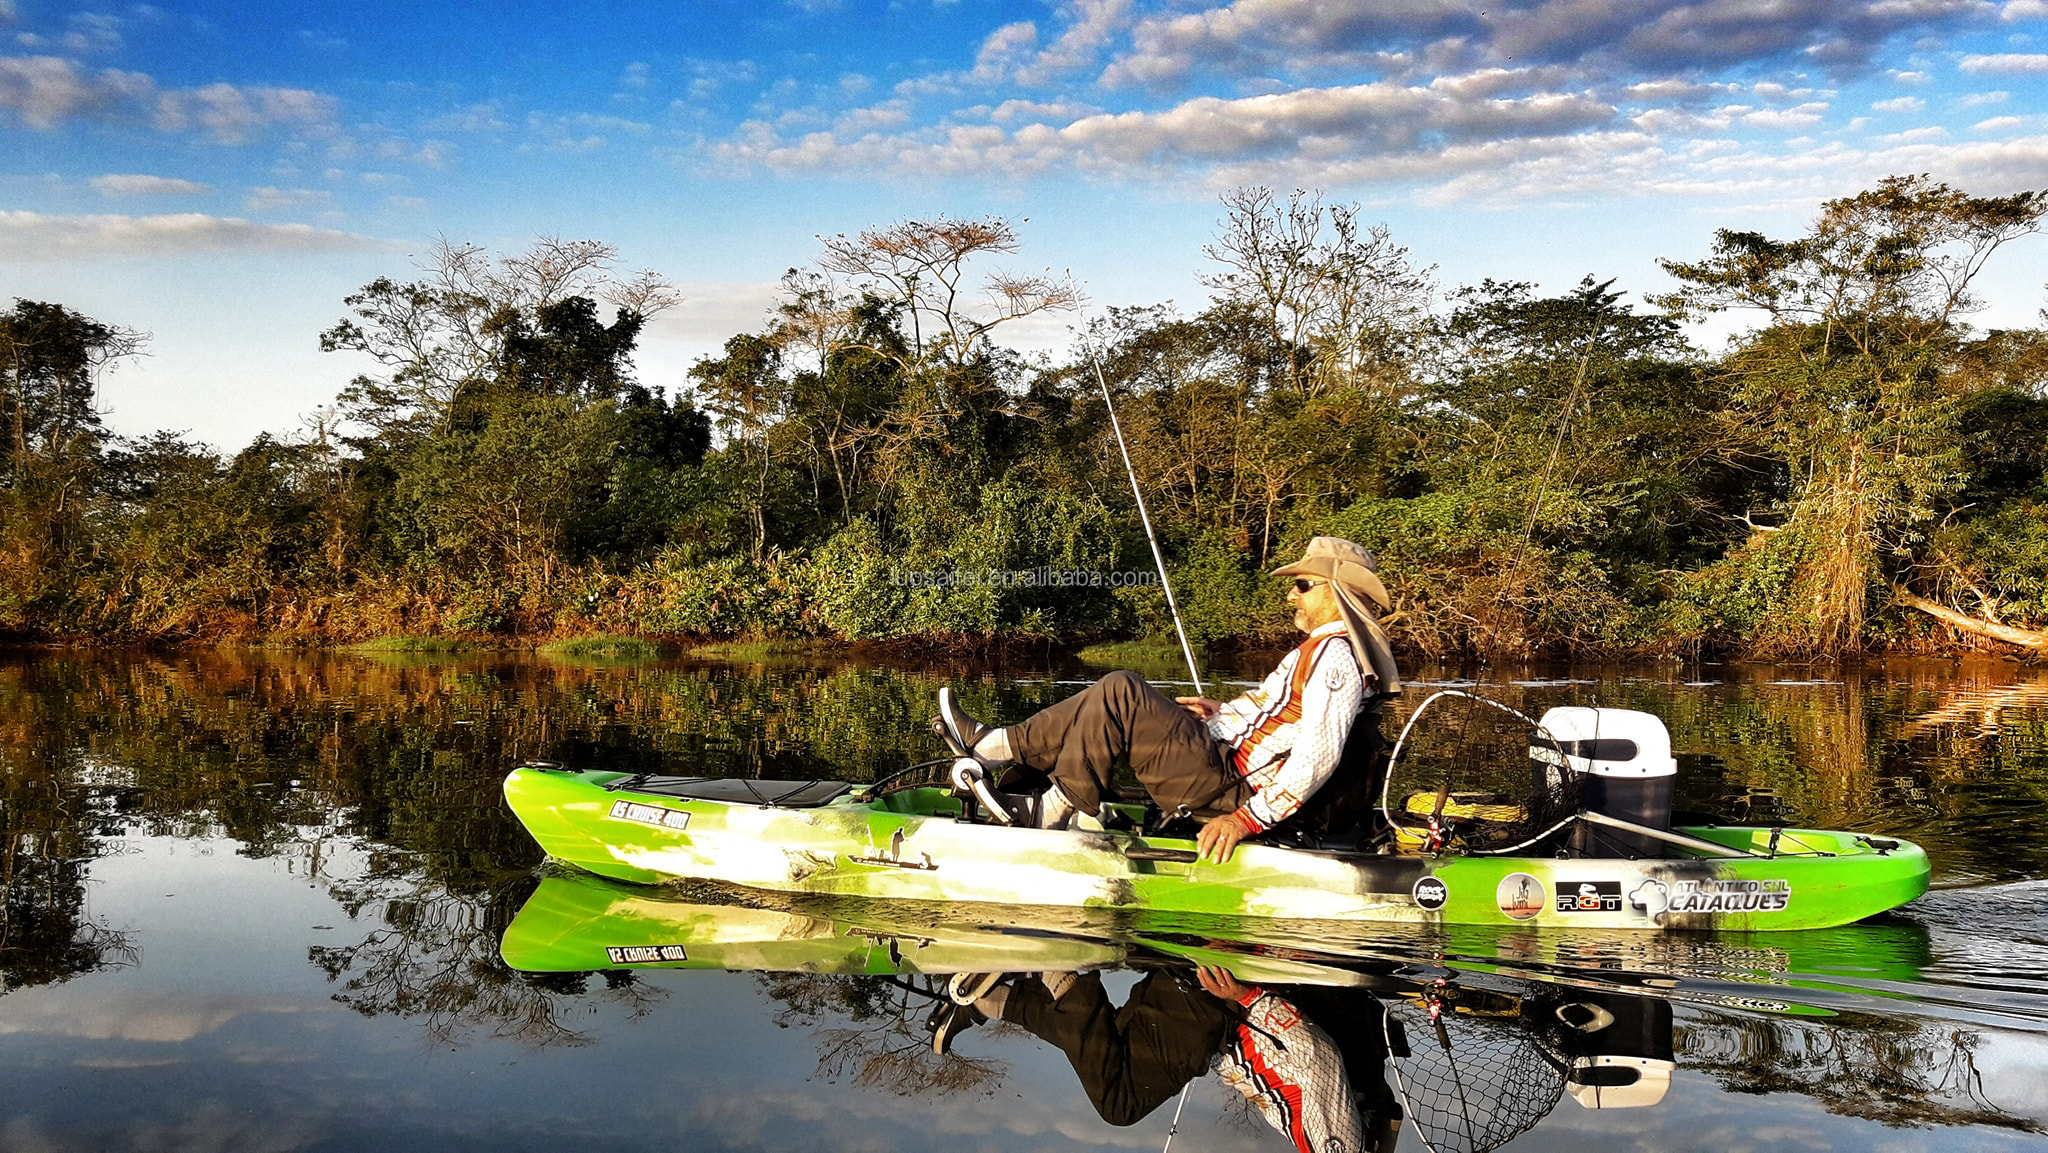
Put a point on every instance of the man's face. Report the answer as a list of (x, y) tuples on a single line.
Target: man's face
[(1316, 607)]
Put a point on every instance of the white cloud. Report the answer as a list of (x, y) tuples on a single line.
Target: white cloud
[(1303, 130), (1607, 39), (2024, 10), (139, 184), (581, 132), (1979, 99), (1003, 49), (1090, 27), (39, 236), (2006, 64), (475, 118), (1026, 111), (1915, 135), (1676, 91), (48, 90), (1998, 124), (229, 114), (268, 199), (1899, 104), (1802, 116)]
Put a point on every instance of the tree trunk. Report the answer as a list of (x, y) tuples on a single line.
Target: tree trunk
[(2025, 638)]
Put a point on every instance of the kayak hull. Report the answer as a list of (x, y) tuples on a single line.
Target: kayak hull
[(912, 846)]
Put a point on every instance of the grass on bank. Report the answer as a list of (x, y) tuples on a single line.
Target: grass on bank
[(1145, 655), (748, 650), (411, 644), (601, 646)]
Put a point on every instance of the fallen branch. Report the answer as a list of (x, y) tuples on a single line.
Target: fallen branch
[(2025, 638)]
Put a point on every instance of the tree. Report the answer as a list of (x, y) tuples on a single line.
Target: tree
[(745, 390), (1844, 386), (921, 266), (1338, 298), (50, 362), (472, 320)]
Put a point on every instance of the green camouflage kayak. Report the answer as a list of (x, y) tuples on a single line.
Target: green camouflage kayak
[(826, 837)]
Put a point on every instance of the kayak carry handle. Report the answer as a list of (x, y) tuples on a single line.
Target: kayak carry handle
[(1148, 853)]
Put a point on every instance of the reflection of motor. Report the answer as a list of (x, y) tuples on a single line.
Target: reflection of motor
[(1618, 1049), (1478, 1067)]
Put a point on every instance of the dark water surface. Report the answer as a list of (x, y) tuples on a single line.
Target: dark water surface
[(257, 903)]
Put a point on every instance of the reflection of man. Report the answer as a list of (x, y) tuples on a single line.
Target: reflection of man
[(1243, 765), (1320, 1081)]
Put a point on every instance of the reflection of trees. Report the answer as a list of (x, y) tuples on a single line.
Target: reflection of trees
[(1897, 1071), (52, 826), (878, 1039), (316, 760), (434, 958)]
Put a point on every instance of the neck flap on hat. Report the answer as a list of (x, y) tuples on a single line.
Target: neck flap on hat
[(1368, 640)]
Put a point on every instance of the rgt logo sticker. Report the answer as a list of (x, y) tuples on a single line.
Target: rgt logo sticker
[(1589, 896)]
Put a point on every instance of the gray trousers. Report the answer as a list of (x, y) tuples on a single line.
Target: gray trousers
[(1078, 741)]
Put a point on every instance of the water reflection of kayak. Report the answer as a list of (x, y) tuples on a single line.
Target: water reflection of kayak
[(577, 923), (825, 837), (1485, 1031)]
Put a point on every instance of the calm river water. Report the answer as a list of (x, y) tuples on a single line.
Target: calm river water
[(267, 903)]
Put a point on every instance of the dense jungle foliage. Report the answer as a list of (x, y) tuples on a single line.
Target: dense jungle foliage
[(1859, 469)]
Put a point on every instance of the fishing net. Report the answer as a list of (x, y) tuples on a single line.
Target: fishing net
[(1473, 1075), (1472, 775)]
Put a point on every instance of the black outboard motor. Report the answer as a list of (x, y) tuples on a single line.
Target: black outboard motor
[(1623, 758)]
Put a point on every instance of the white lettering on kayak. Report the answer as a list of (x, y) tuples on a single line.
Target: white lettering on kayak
[(650, 814), (1730, 897), (645, 954)]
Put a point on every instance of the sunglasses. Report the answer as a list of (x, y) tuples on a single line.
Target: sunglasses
[(1303, 584)]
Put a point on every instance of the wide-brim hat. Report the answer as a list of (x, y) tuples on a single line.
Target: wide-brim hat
[(1342, 562)]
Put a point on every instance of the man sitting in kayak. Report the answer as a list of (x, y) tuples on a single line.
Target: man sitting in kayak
[(1239, 766)]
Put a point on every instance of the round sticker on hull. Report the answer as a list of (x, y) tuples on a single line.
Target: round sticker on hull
[(1520, 896), (1431, 893)]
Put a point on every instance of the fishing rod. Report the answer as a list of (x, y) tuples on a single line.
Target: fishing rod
[(1158, 558)]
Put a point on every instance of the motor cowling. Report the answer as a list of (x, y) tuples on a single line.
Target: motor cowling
[(1626, 770)]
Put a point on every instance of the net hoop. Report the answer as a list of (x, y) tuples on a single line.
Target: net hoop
[(1537, 731)]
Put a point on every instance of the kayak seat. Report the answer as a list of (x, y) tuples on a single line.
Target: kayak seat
[(736, 790), (1343, 815)]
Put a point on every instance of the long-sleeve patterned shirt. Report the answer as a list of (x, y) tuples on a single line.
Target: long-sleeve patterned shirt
[(1287, 734), (1293, 1074)]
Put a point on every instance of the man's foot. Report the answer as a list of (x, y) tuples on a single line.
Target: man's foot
[(967, 988), (948, 1022), (956, 728)]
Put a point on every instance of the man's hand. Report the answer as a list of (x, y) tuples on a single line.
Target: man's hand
[(1219, 837), (1217, 981), (1202, 707)]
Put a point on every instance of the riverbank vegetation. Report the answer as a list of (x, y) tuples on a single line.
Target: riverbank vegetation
[(1858, 469)]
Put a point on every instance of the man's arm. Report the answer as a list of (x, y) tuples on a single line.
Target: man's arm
[(1233, 718)]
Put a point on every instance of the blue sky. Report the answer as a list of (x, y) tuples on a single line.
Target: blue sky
[(220, 175)]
